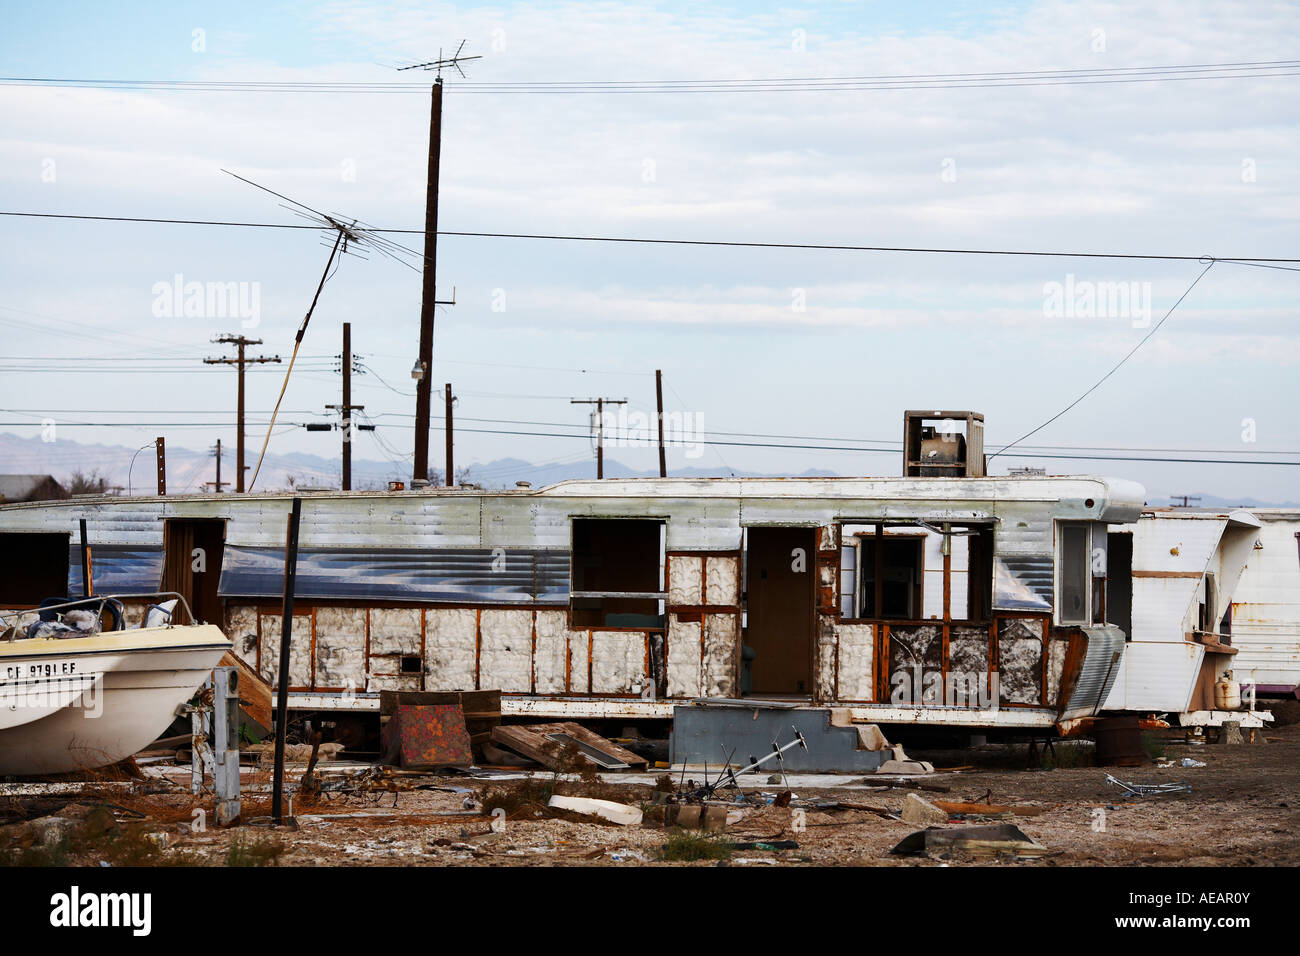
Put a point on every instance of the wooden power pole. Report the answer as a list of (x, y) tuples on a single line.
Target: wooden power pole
[(239, 361), (451, 467), (600, 404), (659, 401), (347, 408), (428, 291)]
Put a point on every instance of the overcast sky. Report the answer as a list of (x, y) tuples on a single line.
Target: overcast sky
[(831, 344)]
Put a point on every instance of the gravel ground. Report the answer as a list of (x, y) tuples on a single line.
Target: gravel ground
[(1244, 810)]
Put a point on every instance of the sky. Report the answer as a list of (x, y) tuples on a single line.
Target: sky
[(828, 344)]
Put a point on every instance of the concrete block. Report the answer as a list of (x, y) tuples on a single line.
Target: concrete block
[(922, 812)]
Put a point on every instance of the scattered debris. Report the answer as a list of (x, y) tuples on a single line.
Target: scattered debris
[(919, 810), (987, 809), (619, 813), (551, 744), (977, 842), (427, 736), (1149, 789)]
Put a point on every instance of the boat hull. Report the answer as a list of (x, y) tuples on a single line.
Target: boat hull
[(82, 703)]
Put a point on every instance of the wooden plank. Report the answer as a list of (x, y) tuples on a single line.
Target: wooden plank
[(254, 693), (531, 741)]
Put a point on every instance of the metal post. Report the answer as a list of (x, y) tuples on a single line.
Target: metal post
[(286, 635), (225, 743), (428, 297), (659, 400), (86, 588)]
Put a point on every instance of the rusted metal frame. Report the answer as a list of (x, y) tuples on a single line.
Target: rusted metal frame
[(591, 654), (532, 658), (260, 602), (1043, 667), (424, 626), (478, 644), (945, 663), (568, 664), (365, 670), (695, 609), (703, 631), (312, 659)]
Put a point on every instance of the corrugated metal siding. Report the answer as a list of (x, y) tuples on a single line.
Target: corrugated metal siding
[(1100, 666), (459, 575)]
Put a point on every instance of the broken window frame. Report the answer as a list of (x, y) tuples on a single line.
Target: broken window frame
[(594, 616), (981, 530), (1089, 579)]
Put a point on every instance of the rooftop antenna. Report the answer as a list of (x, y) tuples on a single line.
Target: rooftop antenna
[(422, 371), (345, 235), (455, 60)]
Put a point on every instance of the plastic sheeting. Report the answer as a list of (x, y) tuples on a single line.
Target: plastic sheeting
[(118, 569)]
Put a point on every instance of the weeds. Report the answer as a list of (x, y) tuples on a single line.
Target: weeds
[(254, 851), (686, 846)]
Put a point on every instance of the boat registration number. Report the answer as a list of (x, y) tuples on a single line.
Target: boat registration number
[(30, 669)]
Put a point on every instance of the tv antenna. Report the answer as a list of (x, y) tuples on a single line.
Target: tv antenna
[(455, 60)]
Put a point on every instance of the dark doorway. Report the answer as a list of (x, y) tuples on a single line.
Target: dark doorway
[(33, 567), (780, 595), (192, 552), (1119, 581)]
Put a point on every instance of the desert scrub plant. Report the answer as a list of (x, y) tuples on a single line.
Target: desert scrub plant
[(254, 851), (1152, 746), (688, 846)]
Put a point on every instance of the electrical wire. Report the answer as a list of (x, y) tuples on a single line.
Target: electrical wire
[(814, 246)]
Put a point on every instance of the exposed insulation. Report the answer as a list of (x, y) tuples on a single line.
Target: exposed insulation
[(549, 655), (916, 663), (722, 582), (241, 628), (968, 666), (395, 630), (721, 634), (683, 657), (1020, 660), (578, 654), (828, 537), (618, 662), (827, 645), (506, 650), (380, 682), (340, 647), (685, 580), (299, 650), (1055, 668), (856, 655), (449, 648)]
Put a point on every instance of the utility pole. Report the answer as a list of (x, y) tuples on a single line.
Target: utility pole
[(600, 404), (347, 408), (239, 361), (160, 449), (659, 400), (451, 468), (218, 484), (1183, 501), (422, 372)]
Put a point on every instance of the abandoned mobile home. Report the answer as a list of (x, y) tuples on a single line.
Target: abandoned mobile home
[(940, 597)]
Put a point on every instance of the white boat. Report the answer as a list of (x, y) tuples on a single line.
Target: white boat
[(78, 703)]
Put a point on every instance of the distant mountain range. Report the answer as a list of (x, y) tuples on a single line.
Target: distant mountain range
[(188, 470)]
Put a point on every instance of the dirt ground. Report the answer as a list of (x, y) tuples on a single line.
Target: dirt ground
[(1243, 810)]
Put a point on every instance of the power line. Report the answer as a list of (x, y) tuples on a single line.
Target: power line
[(867, 83), (816, 246), (1115, 368)]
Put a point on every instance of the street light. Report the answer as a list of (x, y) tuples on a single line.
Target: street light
[(417, 370)]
